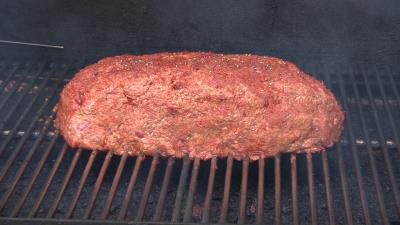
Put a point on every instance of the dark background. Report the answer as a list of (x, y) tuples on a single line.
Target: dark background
[(344, 31)]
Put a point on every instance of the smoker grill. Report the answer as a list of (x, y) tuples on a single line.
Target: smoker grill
[(355, 182)]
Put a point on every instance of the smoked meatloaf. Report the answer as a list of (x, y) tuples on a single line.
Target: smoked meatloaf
[(198, 104)]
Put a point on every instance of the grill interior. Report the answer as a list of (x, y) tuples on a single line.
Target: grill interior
[(355, 182)]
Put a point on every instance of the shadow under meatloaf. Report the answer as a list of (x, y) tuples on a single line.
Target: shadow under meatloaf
[(198, 104)]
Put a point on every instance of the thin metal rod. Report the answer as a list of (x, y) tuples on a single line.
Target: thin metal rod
[(388, 163), (325, 169), (277, 190), (97, 185), (164, 190), (49, 179), (82, 182), (31, 44), (375, 175), (131, 186), (147, 188), (210, 188), (180, 190), (310, 178), (227, 188), (243, 192), (65, 183), (360, 181), (24, 164), (260, 192), (114, 186), (187, 215), (295, 200), (343, 181), (33, 178)]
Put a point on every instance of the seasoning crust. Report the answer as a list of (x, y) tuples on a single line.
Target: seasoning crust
[(198, 104)]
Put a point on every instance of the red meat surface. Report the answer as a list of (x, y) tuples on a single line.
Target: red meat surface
[(198, 104)]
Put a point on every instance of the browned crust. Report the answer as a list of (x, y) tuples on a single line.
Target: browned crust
[(200, 104)]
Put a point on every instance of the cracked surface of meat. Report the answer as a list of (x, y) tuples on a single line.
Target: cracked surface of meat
[(198, 104)]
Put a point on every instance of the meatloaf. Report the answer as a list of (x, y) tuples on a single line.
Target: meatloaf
[(198, 104)]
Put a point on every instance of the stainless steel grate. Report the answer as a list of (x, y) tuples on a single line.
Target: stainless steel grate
[(355, 182)]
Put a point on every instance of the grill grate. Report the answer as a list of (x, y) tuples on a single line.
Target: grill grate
[(356, 182)]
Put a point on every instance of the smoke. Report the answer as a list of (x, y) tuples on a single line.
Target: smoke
[(300, 30)]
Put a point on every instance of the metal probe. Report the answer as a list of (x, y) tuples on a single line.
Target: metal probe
[(31, 44)]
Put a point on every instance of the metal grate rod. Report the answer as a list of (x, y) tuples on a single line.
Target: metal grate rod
[(260, 192), (343, 181), (277, 190), (325, 168), (131, 186), (227, 188), (295, 200), (210, 187), (164, 189), (243, 191), (187, 216), (310, 178), (180, 190)]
